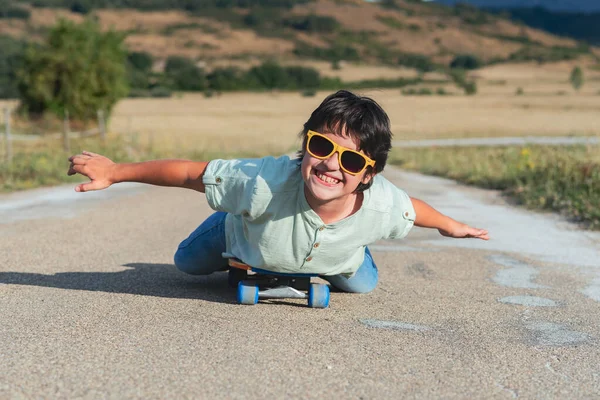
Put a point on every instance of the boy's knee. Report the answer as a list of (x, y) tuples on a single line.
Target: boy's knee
[(184, 264), (353, 285), (364, 286)]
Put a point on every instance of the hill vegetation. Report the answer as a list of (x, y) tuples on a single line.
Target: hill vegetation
[(222, 45), (390, 32)]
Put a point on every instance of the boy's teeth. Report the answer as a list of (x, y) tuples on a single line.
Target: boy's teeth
[(327, 179)]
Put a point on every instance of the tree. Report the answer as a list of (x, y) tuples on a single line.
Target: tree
[(11, 58), (576, 78), (183, 74), (79, 69), (141, 60), (466, 61), (268, 75), (459, 76), (139, 70)]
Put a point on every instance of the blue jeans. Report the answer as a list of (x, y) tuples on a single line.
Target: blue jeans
[(200, 254)]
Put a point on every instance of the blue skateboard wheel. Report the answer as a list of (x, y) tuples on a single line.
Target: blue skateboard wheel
[(247, 293), (318, 295)]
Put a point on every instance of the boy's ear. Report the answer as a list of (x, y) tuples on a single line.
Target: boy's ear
[(368, 176)]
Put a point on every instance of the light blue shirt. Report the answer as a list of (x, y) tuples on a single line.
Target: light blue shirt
[(271, 226)]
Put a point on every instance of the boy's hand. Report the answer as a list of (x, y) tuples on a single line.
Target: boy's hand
[(460, 230), (94, 166)]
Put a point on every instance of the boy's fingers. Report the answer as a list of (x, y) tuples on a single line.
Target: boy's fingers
[(79, 160), (86, 187), (483, 235), (89, 153)]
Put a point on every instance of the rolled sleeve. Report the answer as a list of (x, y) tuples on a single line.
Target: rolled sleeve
[(402, 216), (230, 184)]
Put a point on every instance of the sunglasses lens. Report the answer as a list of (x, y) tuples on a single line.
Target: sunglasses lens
[(353, 162), (320, 146)]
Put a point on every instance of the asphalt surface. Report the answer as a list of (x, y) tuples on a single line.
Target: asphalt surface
[(91, 306)]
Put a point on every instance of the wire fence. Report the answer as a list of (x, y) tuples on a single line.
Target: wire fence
[(11, 135)]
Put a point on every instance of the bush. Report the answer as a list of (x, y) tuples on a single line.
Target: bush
[(336, 52), (417, 61), (263, 18), (470, 88), (419, 92), (313, 23), (223, 79), (269, 75), (181, 73), (576, 78), (81, 6), (303, 77), (459, 76), (466, 61), (11, 59), (15, 12), (160, 91), (141, 60), (547, 54)]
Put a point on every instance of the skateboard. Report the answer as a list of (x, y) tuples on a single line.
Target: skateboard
[(253, 284)]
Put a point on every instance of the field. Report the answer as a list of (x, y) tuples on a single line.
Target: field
[(256, 124), (269, 122)]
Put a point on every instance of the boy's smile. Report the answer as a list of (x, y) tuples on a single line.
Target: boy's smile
[(326, 184)]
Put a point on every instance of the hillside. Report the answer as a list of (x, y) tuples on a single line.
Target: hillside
[(354, 30), (573, 6)]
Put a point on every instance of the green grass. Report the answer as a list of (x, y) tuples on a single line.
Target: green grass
[(46, 163), (560, 179)]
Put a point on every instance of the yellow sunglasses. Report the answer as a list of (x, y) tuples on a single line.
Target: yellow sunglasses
[(351, 161)]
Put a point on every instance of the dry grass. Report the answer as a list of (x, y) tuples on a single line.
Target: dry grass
[(270, 122), (267, 123)]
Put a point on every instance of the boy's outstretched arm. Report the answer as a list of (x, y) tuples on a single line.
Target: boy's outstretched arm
[(428, 217), (103, 172)]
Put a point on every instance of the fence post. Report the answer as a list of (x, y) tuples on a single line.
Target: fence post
[(7, 135), (101, 125), (66, 133)]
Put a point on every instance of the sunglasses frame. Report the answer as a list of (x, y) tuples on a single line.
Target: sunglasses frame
[(340, 150)]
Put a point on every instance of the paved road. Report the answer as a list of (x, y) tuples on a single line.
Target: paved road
[(91, 306)]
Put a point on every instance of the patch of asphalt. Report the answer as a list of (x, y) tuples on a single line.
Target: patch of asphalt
[(58, 202), (517, 275), (541, 236), (529, 301)]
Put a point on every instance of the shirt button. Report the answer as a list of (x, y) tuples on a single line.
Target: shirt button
[(406, 214), (308, 258), (218, 180), (321, 228), (316, 245)]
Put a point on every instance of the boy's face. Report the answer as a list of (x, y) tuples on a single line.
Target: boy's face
[(324, 180)]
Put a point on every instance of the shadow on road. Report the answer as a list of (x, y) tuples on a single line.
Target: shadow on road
[(160, 280)]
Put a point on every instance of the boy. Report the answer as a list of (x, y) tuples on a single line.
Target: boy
[(315, 214)]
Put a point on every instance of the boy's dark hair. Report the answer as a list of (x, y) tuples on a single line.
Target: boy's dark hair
[(345, 113)]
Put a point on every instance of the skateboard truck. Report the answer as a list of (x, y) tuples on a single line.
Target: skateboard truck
[(262, 284)]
